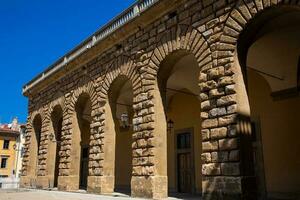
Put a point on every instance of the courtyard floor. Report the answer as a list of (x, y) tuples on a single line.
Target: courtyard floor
[(28, 194)]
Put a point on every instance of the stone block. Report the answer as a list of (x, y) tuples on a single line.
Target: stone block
[(228, 144), (214, 93), (211, 169), (216, 72), (226, 100), (218, 133), (206, 86), (226, 80), (219, 156), (209, 146), (217, 112), (205, 134), (230, 169), (230, 89), (209, 123), (223, 184), (227, 120), (203, 96), (206, 157), (154, 187)]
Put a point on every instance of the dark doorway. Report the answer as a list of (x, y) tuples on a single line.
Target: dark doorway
[(258, 159), (185, 166), (84, 162), (58, 145)]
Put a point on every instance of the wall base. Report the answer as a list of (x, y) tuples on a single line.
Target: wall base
[(101, 184), (154, 187), (68, 183), (28, 182), (43, 182)]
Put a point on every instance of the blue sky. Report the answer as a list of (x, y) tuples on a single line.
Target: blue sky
[(35, 33)]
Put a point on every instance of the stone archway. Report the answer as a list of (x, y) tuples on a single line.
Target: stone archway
[(121, 80), (119, 118), (246, 24), (81, 116), (178, 82), (181, 42), (33, 159), (262, 39), (35, 142), (54, 143)]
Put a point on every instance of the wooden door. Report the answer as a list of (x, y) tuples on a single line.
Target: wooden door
[(184, 163), (84, 163), (184, 173)]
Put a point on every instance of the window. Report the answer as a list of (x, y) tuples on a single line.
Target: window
[(184, 141), (6, 144), (3, 162)]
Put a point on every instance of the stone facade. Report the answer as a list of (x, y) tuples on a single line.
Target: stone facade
[(207, 29)]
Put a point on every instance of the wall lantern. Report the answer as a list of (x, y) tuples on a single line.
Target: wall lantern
[(124, 120), (15, 146), (170, 124), (51, 136)]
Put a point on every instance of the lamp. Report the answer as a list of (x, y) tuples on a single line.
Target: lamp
[(170, 124), (51, 136), (124, 119), (15, 146)]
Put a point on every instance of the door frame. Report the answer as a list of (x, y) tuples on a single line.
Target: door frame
[(80, 164), (192, 151)]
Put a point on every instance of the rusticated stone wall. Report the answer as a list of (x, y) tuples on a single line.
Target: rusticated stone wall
[(207, 29)]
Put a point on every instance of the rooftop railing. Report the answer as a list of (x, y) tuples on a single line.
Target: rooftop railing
[(133, 11)]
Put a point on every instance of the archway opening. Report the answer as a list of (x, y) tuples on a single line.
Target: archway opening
[(56, 120), (268, 51), (36, 140), (120, 97), (83, 109), (178, 84)]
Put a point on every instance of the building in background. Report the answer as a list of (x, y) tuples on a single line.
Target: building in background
[(11, 148)]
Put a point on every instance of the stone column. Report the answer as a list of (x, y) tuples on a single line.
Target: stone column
[(227, 153), (102, 154), (66, 180), (150, 146), (43, 181), (28, 178)]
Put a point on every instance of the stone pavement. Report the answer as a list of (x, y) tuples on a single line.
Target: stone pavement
[(28, 194)]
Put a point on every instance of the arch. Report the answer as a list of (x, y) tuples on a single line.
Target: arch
[(69, 168), (242, 18), (81, 142), (180, 69), (121, 71), (244, 26), (240, 24), (181, 38), (60, 101), (35, 130), (56, 109), (122, 66), (112, 137), (86, 85)]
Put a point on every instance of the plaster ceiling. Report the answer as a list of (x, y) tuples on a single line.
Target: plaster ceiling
[(277, 50)]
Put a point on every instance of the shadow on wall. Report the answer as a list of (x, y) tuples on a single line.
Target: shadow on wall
[(242, 179)]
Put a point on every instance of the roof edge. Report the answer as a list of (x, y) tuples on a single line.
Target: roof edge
[(117, 22)]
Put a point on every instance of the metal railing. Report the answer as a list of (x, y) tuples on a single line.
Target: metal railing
[(126, 16)]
